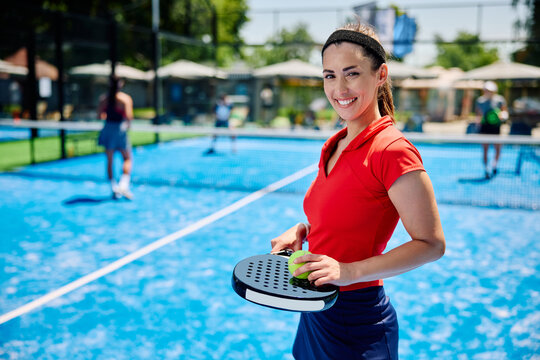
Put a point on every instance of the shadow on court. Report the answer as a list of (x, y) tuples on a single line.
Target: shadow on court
[(477, 180), (88, 200), (484, 179)]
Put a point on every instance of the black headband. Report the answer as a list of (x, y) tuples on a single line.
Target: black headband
[(356, 37)]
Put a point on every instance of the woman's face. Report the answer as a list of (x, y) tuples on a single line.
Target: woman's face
[(350, 84)]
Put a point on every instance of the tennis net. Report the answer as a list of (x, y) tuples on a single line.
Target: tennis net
[(261, 156)]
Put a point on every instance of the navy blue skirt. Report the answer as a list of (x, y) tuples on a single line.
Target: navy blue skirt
[(114, 136), (362, 324)]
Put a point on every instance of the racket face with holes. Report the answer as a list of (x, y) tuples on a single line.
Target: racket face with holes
[(266, 280)]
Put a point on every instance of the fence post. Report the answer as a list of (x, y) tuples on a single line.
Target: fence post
[(156, 49), (31, 88), (59, 54)]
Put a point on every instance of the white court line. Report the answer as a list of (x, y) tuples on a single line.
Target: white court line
[(156, 245)]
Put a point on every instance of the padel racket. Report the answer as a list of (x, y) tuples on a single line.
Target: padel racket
[(266, 280)]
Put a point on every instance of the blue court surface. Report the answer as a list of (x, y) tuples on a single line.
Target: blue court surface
[(175, 301)]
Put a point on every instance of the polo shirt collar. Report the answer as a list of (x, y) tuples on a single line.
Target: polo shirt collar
[(372, 129)]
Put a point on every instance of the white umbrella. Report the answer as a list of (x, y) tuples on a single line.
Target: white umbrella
[(399, 70), (185, 69), (504, 71), (9, 68), (290, 69), (104, 70), (43, 68), (446, 78)]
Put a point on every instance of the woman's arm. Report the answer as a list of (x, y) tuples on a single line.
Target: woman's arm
[(291, 239), (412, 195), (127, 102)]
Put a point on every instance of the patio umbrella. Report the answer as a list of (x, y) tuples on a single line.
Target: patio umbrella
[(185, 69), (399, 70), (446, 78), (9, 68), (290, 69), (43, 68), (104, 70), (504, 71)]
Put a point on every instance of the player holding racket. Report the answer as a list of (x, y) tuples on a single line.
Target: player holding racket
[(369, 177)]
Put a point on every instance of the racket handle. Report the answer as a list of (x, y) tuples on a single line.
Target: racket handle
[(284, 252)]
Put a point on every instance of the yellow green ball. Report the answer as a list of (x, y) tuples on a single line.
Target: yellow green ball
[(293, 266)]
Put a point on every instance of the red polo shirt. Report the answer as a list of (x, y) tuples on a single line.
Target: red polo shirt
[(351, 215)]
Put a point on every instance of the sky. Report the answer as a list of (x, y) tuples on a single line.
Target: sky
[(324, 16)]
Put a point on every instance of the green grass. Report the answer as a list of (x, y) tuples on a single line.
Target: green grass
[(17, 153), (144, 113)]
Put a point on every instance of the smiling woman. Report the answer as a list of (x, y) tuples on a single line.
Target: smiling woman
[(369, 177), (366, 71)]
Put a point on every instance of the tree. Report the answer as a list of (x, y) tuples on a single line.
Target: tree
[(465, 52), (288, 44), (231, 17), (188, 26), (530, 54), (196, 28)]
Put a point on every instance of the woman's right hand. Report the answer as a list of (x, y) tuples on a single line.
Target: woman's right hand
[(290, 239)]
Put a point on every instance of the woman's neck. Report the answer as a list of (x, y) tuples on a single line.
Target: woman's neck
[(356, 126)]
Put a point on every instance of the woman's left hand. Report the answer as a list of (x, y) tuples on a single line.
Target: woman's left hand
[(325, 270)]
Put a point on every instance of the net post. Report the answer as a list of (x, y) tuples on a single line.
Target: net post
[(156, 50), (59, 41), (30, 97)]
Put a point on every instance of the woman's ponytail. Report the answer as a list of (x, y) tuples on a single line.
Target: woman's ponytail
[(385, 99)]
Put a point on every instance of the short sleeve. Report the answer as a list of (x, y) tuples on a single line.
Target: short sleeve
[(398, 158)]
